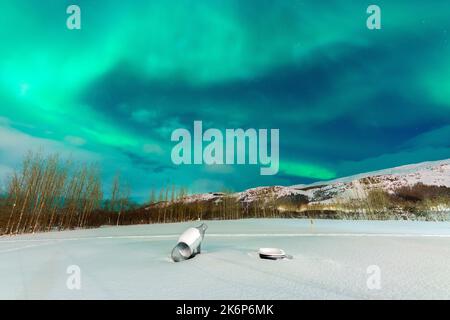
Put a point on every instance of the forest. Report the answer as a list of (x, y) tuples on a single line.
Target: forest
[(48, 193)]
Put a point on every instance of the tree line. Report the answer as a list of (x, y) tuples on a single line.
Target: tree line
[(48, 193)]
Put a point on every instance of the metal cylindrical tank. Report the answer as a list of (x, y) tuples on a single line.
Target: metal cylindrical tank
[(189, 243)]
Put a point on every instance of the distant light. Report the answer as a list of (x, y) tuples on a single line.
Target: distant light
[(24, 87)]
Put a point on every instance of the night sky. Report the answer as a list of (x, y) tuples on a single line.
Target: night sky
[(346, 99)]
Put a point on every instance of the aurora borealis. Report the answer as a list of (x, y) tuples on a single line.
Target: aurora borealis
[(345, 99)]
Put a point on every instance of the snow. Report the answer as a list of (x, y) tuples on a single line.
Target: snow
[(428, 169), (330, 261), (432, 173)]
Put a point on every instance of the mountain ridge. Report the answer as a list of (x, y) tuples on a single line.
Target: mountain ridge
[(429, 173)]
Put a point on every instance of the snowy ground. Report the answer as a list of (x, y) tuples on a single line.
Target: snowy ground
[(330, 261)]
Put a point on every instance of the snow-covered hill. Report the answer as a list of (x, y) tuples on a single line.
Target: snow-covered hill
[(434, 173)]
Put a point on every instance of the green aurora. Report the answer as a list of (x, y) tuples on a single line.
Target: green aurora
[(346, 99)]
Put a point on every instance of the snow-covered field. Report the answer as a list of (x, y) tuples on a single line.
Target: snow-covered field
[(330, 261)]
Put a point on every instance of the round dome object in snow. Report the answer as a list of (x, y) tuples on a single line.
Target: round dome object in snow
[(272, 253)]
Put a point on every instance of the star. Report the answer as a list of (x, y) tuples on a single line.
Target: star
[(24, 87)]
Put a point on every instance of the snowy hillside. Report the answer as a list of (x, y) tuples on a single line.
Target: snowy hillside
[(436, 173)]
